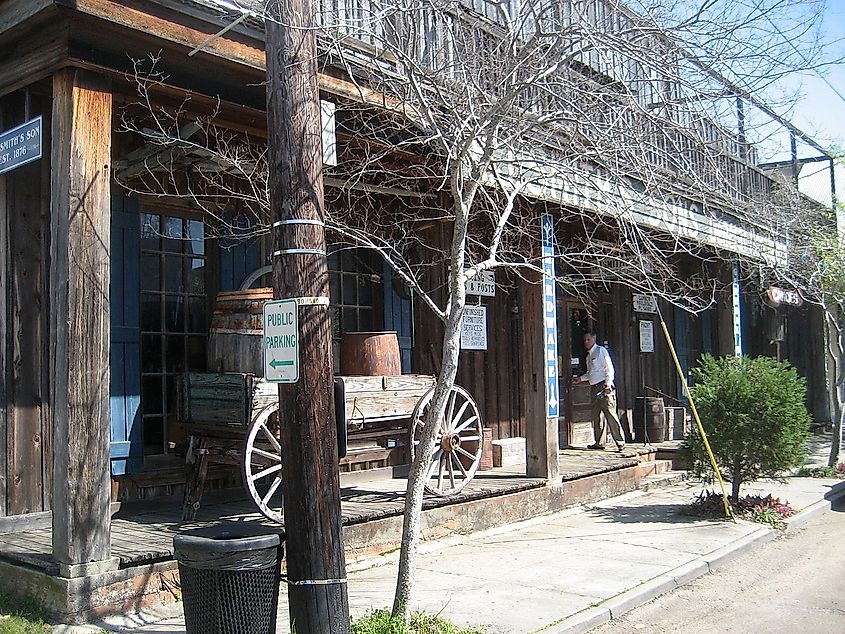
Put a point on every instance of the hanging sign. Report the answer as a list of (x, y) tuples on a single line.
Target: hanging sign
[(550, 316), (281, 341), (646, 336), (644, 303), (483, 284), (20, 145), (474, 328), (784, 296)]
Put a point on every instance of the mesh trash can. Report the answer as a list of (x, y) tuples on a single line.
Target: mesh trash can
[(230, 579)]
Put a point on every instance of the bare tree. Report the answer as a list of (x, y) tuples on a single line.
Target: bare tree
[(633, 129)]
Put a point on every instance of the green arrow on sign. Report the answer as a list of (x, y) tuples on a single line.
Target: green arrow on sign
[(277, 364)]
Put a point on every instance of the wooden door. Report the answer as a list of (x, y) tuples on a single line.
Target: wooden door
[(573, 323)]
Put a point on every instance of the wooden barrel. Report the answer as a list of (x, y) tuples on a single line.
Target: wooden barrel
[(370, 354), (234, 338), (654, 419)]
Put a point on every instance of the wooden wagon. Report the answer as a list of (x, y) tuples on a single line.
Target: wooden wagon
[(233, 418)]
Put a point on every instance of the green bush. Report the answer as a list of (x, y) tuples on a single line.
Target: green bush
[(754, 415), (381, 622)]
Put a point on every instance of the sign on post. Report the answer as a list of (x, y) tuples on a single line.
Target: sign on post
[(644, 303), (281, 341), (483, 284), (474, 328), (646, 336), (550, 316), (20, 145)]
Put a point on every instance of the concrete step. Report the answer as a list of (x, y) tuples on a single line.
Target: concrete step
[(662, 480), (648, 468)]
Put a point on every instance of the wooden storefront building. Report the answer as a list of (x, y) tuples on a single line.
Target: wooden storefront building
[(108, 297)]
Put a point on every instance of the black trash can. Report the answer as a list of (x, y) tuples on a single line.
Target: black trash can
[(230, 579)]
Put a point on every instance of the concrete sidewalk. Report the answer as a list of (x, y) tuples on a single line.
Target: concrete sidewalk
[(566, 572)]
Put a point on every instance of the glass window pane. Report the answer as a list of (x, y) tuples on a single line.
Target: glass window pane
[(153, 435), (150, 353), (150, 272), (334, 288), (172, 235), (350, 320), (174, 352), (150, 232), (195, 348), (365, 291), (174, 313), (365, 320), (170, 386), (195, 233), (151, 402), (150, 312), (196, 320), (350, 295), (173, 274), (195, 276)]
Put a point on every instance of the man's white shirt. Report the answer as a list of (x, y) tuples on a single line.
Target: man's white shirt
[(599, 366)]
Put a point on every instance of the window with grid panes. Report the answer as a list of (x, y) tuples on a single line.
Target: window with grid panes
[(174, 317), (355, 289)]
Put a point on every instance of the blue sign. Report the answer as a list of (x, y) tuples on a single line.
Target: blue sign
[(550, 315), (737, 306), (20, 145)]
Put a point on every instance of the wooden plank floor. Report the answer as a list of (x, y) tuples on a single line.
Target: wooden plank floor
[(147, 535)]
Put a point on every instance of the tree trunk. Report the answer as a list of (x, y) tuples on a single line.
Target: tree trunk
[(416, 477), (836, 337)]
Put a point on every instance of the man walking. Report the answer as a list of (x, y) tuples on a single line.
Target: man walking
[(600, 374)]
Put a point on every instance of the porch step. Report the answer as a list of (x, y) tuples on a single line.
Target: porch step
[(648, 468), (662, 480)]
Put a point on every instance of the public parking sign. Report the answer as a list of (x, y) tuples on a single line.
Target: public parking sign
[(281, 341)]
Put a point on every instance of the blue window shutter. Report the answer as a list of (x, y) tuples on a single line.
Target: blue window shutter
[(399, 314), (125, 389)]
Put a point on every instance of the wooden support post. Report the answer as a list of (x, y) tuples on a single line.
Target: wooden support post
[(79, 279), (541, 432), (315, 561), (4, 291)]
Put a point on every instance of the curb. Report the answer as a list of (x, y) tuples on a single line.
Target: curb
[(616, 606), (836, 492)]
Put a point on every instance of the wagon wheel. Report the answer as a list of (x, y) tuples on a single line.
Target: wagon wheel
[(262, 464), (457, 448)]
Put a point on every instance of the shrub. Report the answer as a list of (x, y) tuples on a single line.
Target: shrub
[(823, 472), (754, 415), (382, 622), (755, 508)]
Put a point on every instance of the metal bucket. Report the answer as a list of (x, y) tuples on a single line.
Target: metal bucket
[(370, 354)]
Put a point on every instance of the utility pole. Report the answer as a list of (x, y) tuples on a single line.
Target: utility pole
[(315, 561)]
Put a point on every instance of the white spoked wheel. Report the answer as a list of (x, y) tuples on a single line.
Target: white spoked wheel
[(262, 464), (457, 446)]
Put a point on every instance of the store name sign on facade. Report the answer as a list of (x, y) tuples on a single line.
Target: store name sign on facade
[(281, 341), (784, 296), (20, 145)]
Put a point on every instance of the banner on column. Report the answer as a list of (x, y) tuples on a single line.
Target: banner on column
[(550, 316)]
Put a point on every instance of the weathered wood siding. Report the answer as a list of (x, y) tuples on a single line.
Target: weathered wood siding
[(492, 376), (24, 370)]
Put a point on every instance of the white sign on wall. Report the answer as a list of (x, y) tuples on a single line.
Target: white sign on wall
[(474, 328), (646, 336), (644, 303), (281, 341), (483, 284)]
